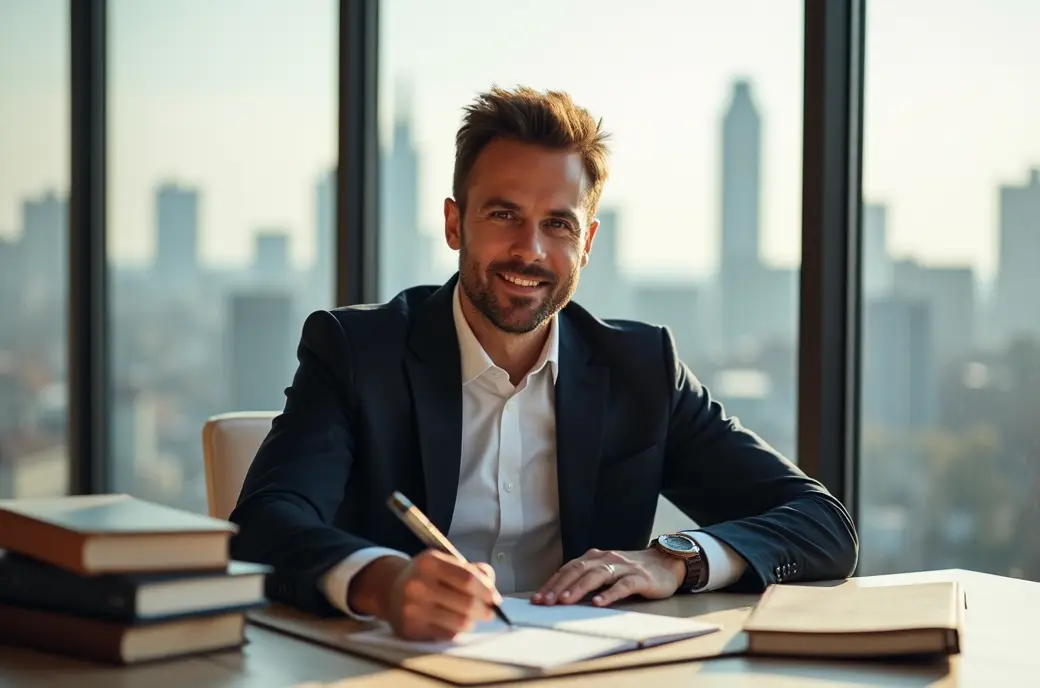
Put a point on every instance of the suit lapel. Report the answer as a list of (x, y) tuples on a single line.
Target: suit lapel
[(435, 373), (581, 403)]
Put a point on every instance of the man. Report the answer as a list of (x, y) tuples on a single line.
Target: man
[(537, 437)]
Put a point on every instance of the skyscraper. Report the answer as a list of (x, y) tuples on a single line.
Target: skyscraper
[(877, 263), (325, 247), (741, 279), (949, 293), (44, 250), (1018, 278), (601, 288), (271, 258), (260, 349), (177, 233), (898, 366), (403, 254), (741, 178)]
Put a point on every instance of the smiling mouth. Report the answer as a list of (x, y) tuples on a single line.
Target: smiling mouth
[(522, 282)]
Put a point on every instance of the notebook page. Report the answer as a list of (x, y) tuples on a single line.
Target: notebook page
[(645, 629), (536, 648)]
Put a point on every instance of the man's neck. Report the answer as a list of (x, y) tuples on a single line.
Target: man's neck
[(514, 353)]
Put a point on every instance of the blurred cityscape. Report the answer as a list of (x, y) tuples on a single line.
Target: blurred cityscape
[(950, 378)]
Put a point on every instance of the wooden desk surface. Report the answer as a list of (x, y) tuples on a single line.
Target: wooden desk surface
[(999, 650)]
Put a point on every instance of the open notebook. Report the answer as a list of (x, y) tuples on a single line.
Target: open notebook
[(546, 637)]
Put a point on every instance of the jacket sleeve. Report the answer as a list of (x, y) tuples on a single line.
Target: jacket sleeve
[(296, 483), (786, 525)]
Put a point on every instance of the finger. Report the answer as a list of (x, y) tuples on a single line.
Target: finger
[(464, 603), (487, 570), (434, 621), (466, 578), (542, 595), (569, 575), (596, 577), (631, 584)]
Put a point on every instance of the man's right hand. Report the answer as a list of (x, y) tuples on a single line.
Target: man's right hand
[(432, 596)]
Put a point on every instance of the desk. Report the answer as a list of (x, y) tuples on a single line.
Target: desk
[(998, 651)]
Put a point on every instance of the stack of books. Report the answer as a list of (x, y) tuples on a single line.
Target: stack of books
[(114, 578)]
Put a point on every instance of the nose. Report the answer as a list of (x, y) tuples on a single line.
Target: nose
[(527, 242)]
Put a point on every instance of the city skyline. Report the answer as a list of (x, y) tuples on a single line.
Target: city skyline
[(947, 380), (942, 197)]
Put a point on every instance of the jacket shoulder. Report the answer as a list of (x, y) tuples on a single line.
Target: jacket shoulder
[(627, 342), (382, 326)]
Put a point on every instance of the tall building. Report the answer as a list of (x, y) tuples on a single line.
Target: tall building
[(260, 349), (322, 276), (271, 258), (877, 262), (677, 305), (741, 176), (403, 254), (742, 283), (898, 375), (10, 292), (177, 234), (44, 250), (1018, 279), (949, 293), (602, 289), (135, 438)]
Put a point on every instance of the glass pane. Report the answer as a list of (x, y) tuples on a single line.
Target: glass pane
[(950, 454), (34, 183), (222, 146), (700, 219)]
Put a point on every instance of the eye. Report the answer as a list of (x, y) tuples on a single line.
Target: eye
[(501, 214), (558, 224)]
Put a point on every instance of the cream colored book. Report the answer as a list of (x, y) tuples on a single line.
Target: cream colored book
[(849, 620)]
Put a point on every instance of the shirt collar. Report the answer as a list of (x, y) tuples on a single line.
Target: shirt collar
[(475, 361)]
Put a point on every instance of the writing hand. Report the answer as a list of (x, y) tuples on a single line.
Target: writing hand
[(435, 597), (648, 572)]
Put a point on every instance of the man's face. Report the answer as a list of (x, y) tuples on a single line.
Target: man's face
[(525, 234)]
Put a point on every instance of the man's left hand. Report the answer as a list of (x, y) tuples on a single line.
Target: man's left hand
[(647, 572)]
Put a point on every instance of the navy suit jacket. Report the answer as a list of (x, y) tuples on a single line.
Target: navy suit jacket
[(376, 406)]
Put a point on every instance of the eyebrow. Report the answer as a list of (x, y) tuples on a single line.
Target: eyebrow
[(560, 214)]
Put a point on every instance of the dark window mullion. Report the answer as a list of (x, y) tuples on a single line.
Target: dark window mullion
[(828, 418), (87, 332)]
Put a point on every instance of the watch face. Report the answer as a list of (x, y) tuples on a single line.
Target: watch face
[(678, 543)]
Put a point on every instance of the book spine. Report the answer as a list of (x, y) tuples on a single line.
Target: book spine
[(60, 591)]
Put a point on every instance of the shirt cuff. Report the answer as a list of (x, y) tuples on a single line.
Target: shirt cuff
[(725, 567), (335, 583)]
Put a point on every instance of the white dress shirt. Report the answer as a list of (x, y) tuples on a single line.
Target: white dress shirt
[(507, 509)]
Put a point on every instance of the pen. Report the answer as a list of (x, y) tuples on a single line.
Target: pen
[(430, 535)]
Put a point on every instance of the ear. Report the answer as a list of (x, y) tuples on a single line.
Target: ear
[(452, 224), (589, 238)]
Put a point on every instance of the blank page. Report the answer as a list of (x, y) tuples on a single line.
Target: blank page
[(645, 629), (526, 647)]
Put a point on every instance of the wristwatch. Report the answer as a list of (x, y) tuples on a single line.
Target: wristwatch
[(682, 546)]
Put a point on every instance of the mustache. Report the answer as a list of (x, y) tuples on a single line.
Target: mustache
[(519, 268)]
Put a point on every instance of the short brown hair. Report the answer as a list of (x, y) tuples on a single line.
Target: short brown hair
[(549, 119)]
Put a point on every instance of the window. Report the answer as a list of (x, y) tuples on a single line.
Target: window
[(222, 146), (950, 446), (701, 218), (34, 182)]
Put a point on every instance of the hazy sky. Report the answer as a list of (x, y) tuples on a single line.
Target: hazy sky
[(237, 97)]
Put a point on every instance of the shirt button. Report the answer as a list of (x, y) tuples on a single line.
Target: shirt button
[(508, 406), (500, 557), (508, 487)]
